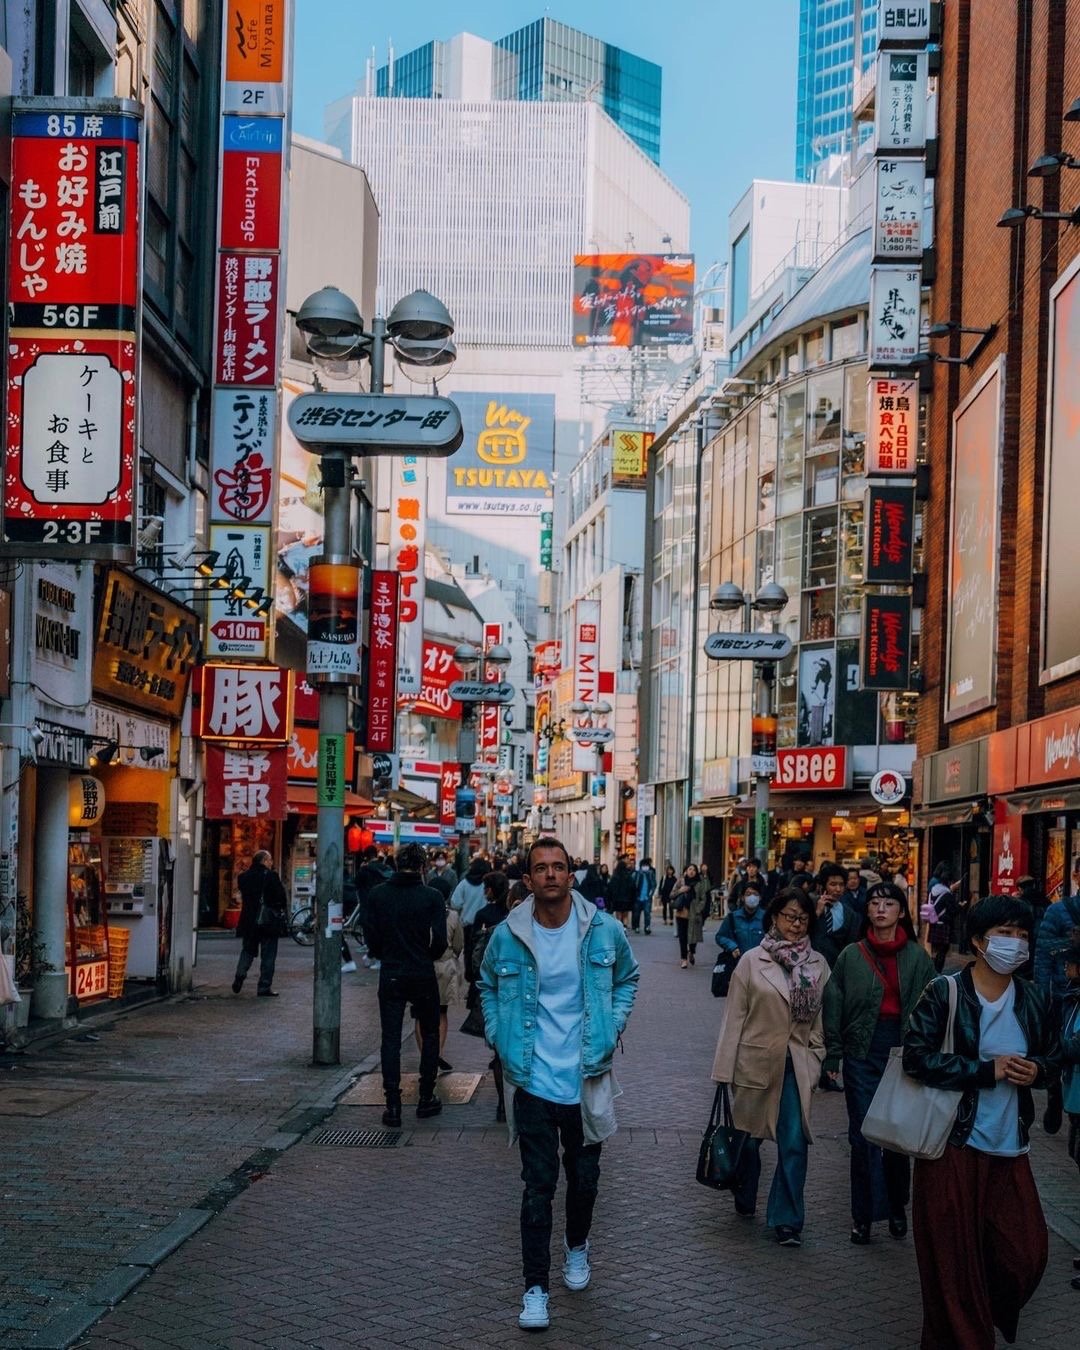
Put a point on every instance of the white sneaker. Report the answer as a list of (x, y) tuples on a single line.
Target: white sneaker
[(347, 967), (374, 965), (576, 1271), (534, 1310)]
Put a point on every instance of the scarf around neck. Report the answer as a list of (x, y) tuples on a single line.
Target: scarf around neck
[(804, 983)]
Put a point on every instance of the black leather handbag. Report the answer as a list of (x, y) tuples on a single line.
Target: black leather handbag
[(721, 1145)]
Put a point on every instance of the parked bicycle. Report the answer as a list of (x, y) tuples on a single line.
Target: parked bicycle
[(302, 927)]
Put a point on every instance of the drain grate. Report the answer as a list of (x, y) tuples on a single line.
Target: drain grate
[(359, 1138)]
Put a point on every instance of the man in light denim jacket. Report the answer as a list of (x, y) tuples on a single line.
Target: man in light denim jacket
[(557, 986)]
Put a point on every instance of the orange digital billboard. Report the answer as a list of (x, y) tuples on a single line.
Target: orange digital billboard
[(633, 299)]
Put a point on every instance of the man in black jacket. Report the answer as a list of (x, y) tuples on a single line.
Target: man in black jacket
[(405, 926), (258, 884)]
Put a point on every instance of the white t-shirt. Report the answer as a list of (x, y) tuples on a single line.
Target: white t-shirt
[(997, 1119), (556, 1065)]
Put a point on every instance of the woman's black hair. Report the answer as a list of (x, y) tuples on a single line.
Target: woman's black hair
[(497, 884), (796, 895), (888, 890), (996, 910)]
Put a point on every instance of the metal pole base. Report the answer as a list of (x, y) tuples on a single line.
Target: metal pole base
[(326, 1046)]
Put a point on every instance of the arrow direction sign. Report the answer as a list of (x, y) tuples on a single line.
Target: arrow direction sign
[(593, 735), (747, 646), (394, 424), (477, 691)]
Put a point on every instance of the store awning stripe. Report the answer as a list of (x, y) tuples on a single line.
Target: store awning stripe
[(302, 800), (1046, 799), (951, 813)]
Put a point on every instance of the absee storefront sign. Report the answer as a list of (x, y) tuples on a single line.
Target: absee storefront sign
[(812, 769)]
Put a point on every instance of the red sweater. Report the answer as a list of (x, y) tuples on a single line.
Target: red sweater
[(884, 954)]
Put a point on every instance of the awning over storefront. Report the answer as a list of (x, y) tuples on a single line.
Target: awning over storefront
[(1046, 799), (791, 804), (947, 813), (719, 807), (302, 801)]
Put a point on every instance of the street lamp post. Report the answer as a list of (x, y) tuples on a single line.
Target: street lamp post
[(770, 601), (419, 329)]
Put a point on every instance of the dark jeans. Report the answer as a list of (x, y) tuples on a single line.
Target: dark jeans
[(265, 948), (422, 991), (880, 1179), (785, 1208), (540, 1125), (682, 931), (641, 907)]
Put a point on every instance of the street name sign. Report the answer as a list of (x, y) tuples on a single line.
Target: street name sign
[(478, 691), (593, 735), (747, 646), (415, 424)]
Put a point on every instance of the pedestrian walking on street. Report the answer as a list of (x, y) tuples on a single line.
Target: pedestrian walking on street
[(621, 891), (938, 913), (1060, 920), (689, 900), (469, 899), (1070, 1049), (497, 888), (450, 977), (406, 932), (875, 984), (980, 1234), (591, 884), (743, 927), (557, 986), (644, 886), (667, 884), (770, 1052), (259, 885)]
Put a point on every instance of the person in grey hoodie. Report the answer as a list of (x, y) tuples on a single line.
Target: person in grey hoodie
[(469, 899)]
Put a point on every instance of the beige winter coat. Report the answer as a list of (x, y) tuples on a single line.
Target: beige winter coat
[(449, 970), (755, 1039)]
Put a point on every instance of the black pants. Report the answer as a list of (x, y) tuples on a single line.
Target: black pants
[(265, 948), (395, 991), (682, 929), (540, 1125)]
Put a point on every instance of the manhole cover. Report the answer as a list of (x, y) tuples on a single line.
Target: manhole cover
[(455, 1089), (35, 1101), (359, 1138)]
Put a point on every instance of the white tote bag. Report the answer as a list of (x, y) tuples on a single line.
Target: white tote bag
[(910, 1117)]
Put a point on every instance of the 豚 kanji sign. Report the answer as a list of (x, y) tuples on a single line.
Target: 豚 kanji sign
[(747, 646), (244, 703), (421, 424)]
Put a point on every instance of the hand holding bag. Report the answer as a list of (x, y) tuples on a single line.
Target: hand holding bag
[(911, 1117), (722, 973), (721, 1145)]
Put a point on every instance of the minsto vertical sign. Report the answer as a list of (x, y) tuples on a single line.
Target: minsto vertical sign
[(253, 139)]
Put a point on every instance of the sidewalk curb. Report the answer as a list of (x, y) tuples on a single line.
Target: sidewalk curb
[(68, 1327)]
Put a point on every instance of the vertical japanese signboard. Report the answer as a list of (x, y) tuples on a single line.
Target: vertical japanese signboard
[(901, 100), (892, 426), (382, 661), (900, 184), (903, 22), (890, 536), (886, 649), (253, 137), (408, 510), (895, 304), (586, 672), (73, 293), (245, 783), (491, 713)]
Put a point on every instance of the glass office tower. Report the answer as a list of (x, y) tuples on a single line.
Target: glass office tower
[(827, 31)]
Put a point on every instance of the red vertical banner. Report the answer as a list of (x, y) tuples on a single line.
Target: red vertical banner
[(382, 661), (449, 781), (248, 783), (491, 714)]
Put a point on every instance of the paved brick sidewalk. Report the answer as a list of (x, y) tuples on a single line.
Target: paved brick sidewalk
[(148, 1115), (418, 1245)]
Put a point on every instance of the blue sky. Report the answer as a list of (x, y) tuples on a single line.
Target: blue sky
[(729, 76)]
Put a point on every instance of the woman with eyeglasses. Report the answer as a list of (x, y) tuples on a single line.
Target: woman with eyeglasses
[(770, 1052), (875, 984)]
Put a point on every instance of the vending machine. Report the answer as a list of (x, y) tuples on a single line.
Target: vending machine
[(87, 947), (131, 891)]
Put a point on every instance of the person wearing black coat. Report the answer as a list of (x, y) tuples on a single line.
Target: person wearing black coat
[(258, 884)]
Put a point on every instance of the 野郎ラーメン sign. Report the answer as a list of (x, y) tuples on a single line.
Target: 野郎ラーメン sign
[(892, 425), (382, 661), (633, 299), (886, 642), (246, 783), (146, 645), (247, 325), (243, 703), (506, 458)]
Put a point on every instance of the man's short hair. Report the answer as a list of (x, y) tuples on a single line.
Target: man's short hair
[(996, 910), (547, 843), (853, 872), (411, 858), (830, 870), (263, 856), (754, 862), (370, 852)]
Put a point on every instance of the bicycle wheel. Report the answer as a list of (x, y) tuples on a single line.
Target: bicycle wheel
[(303, 927)]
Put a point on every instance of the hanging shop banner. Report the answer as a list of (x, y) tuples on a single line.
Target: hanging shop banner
[(1061, 538), (491, 714), (899, 22), (817, 695), (630, 455), (900, 101), (974, 535), (243, 703), (246, 347), (633, 299), (408, 527), (382, 661), (886, 642), (892, 425), (333, 630), (302, 762), (895, 301), (890, 536), (507, 455), (546, 540), (243, 426), (73, 262), (900, 184), (245, 783), (146, 645), (255, 39), (334, 757), (440, 671), (449, 782), (242, 571), (586, 672), (547, 662), (251, 182)]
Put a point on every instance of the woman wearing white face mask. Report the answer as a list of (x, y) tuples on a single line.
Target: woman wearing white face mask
[(980, 1235)]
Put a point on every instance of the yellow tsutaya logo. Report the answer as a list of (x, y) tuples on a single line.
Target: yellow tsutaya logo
[(503, 440)]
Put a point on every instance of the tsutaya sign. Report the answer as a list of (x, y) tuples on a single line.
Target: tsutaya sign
[(812, 769)]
